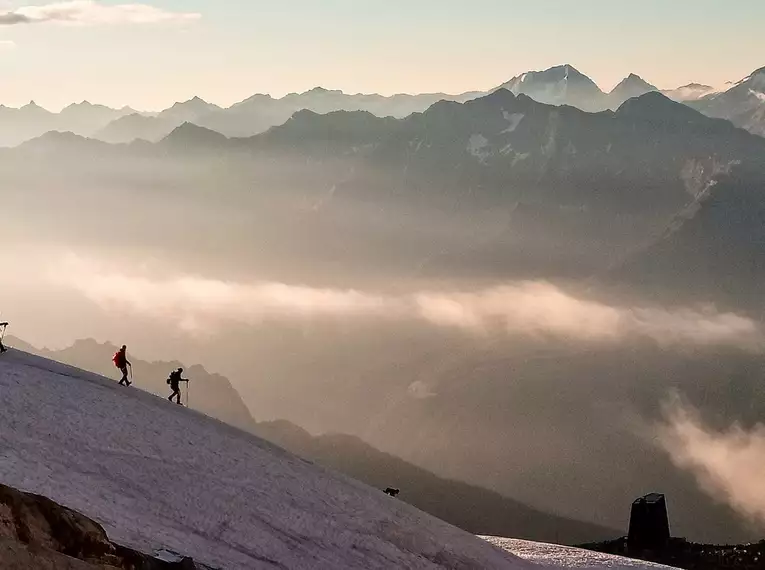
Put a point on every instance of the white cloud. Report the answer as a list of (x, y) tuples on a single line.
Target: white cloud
[(519, 308), (7, 45), (92, 12), (727, 464), (541, 308)]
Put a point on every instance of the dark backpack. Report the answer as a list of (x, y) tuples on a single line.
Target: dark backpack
[(174, 377)]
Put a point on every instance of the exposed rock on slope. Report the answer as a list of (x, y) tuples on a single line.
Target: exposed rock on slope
[(36, 532)]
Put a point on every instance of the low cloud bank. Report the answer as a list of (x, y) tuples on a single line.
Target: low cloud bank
[(92, 12), (534, 308), (727, 464)]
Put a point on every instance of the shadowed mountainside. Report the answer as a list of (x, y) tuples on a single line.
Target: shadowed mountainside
[(471, 508)]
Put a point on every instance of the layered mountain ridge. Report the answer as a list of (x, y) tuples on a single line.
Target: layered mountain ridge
[(559, 85)]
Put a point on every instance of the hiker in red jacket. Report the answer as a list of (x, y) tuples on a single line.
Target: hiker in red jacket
[(121, 362)]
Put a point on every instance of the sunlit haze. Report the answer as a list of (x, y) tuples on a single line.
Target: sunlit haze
[(505, 257)]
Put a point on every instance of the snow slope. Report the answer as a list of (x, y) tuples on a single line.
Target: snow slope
[(552, 555), (160, 476)]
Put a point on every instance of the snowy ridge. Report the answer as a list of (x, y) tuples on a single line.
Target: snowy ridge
[(160, 476)]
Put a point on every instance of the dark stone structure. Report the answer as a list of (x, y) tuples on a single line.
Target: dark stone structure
[(649, 523), (649, 540)]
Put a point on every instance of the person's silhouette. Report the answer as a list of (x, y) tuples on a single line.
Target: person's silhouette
[(122, 363), (175, 380)]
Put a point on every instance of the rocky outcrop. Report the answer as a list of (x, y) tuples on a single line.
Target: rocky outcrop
[(36, 532)]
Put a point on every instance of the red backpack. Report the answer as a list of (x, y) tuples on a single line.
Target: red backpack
[(119, 359)]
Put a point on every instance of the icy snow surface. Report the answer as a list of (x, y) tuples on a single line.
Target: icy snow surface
[(551, 555), (157, 475)]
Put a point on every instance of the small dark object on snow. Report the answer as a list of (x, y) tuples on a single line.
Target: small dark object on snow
[(649, 523), (392, 492)]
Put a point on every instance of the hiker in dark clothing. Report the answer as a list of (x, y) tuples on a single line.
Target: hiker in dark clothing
[(3, 326), (122, 363), (175, 380)]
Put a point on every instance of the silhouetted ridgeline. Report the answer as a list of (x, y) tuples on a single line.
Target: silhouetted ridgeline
[(469, 507), (691, 556)]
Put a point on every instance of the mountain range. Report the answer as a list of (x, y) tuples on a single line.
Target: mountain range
[(743, 104)]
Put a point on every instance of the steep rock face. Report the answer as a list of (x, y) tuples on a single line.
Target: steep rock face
[(36, 532)]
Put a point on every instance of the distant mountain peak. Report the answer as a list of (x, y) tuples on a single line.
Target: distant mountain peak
[(196, 104), (571, 70), (84, 105), (500, 98), (633, 80), (191, 134), (33, 107), (631, 86), (756, 77), (561, 72), (559, 85), (699, 86), (196, 100), (656, 108), (323, 91)]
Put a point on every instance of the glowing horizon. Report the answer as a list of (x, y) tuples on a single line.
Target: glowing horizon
[(150, 54)]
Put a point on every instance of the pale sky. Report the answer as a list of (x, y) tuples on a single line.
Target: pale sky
[(150, 53)]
